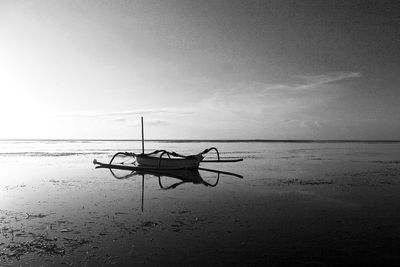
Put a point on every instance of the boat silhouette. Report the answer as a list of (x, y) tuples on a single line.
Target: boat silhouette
[(172, 161)]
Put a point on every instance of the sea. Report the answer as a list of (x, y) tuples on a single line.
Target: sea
[(320, 202)]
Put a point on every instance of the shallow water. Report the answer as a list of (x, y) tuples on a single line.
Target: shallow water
[(318, 202)]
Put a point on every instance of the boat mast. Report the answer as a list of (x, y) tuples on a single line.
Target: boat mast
[(142, 136), (141, 119)]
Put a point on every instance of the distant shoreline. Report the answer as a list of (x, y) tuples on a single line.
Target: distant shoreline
[(204, 140)]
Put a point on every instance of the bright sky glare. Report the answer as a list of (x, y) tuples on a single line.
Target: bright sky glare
[(200, 69)]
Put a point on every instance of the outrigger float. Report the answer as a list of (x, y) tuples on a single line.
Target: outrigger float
[(156, 160)]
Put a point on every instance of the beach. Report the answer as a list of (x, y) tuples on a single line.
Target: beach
[(298, 204)]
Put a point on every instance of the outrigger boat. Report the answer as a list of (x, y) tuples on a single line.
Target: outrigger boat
[(156, 161), (172, 171)]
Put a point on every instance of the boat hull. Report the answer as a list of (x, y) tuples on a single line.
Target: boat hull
[(186, 163)]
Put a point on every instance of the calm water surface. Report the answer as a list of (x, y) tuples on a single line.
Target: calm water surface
[(297, 197)]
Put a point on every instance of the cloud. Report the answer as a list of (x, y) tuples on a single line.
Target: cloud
[(153, 122), (120, 120), (304, 82), (260, 102), (305, 123), (312, 81), (310, 124), (253, 103), (128, 113), (288, 120), (148, 122)]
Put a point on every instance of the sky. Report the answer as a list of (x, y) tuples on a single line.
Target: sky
[(200, 69)]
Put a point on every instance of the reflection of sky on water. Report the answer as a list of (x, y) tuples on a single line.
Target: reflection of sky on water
[(65, 178), (286, 186), (68, 164)]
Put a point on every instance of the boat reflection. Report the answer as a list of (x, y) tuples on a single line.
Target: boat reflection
[(184, 175)]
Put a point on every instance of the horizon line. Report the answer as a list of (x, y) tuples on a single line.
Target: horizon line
[(213, 140)]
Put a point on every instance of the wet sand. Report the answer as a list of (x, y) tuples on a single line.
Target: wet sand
[(295, 206)]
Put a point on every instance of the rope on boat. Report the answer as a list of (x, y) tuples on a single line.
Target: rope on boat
[(159, 161), (174, 154), (209, 149), (121, 153)]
